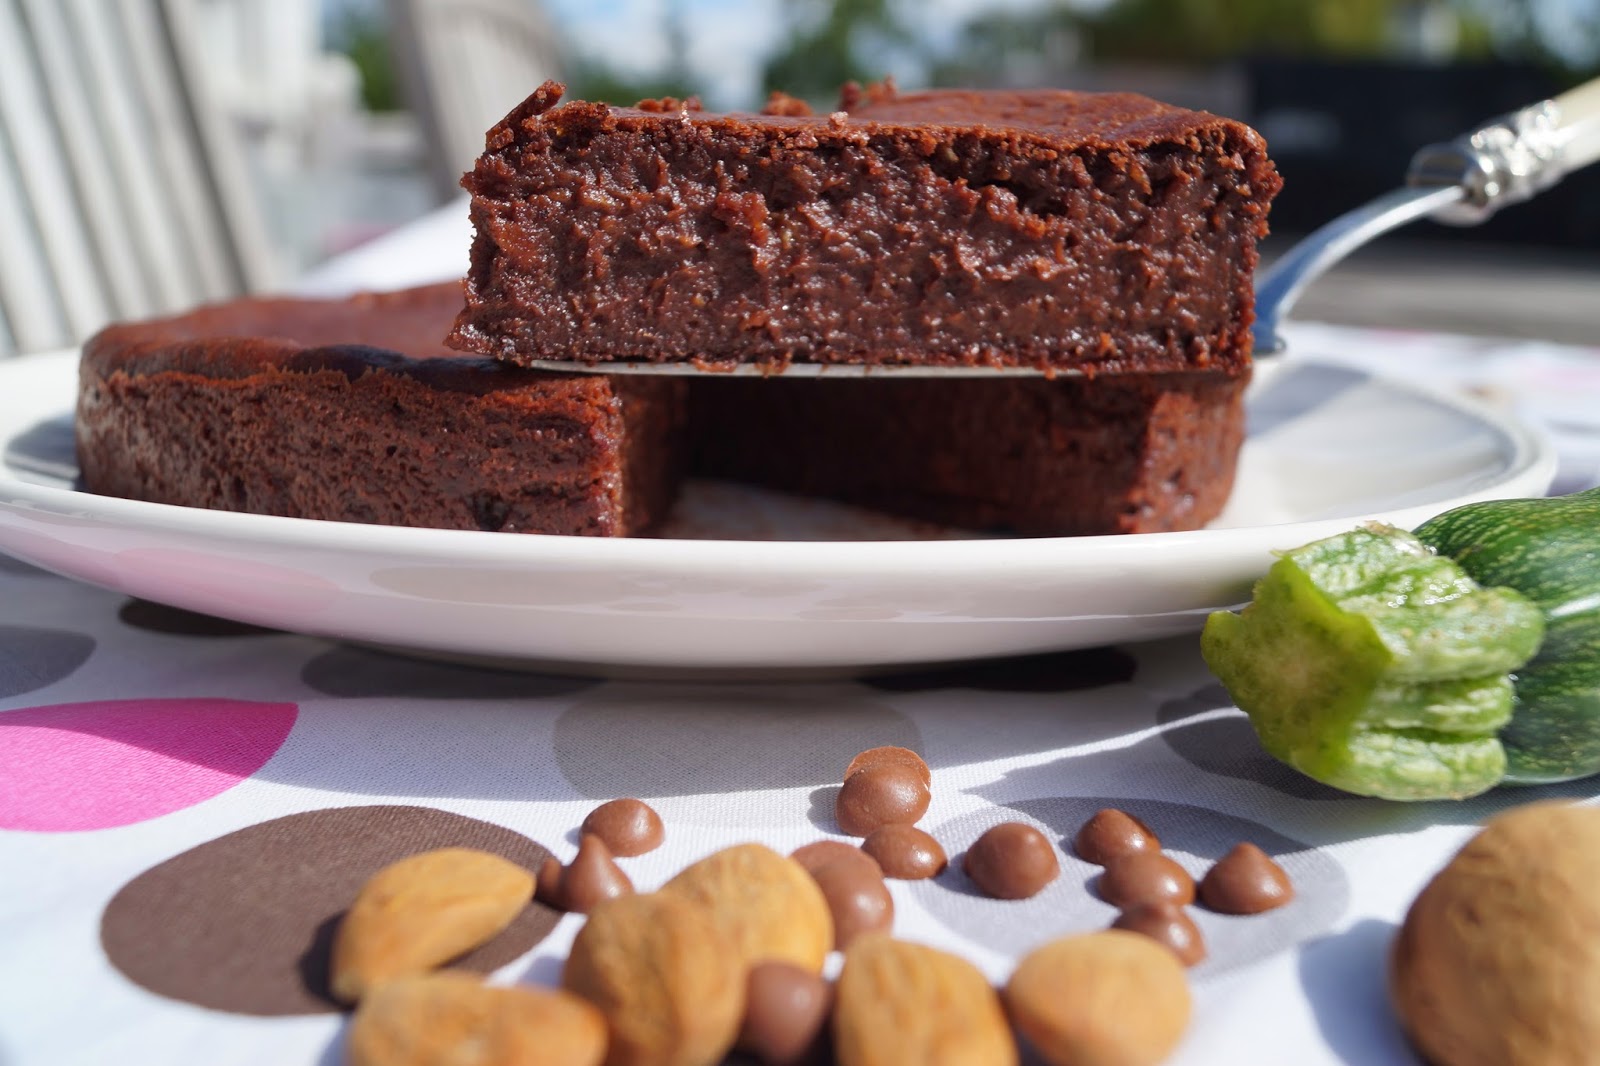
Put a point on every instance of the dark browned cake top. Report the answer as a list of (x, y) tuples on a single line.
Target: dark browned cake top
[(1061, 119), (400, 332)]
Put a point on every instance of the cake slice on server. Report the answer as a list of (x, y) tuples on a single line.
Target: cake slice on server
[(1102, 233)]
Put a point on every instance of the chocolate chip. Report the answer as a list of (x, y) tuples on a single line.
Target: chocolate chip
[(857, 898), (1112, 834), (905, 852), (785, 1014), (628, 826), (884, 794), (819, 853), (592, 877), (889, 756), (1145, 877), (1169, 925), (1011, 861), (1245, 881)]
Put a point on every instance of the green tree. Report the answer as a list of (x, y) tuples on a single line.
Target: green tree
[(831, 42)]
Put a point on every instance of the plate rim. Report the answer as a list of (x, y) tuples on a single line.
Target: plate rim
[(1530, 467)]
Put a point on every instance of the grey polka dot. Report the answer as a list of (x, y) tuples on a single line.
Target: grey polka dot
[(1226, 744), (768, 748), (1066, 671), (1194, 836), (175, 621), (357, 673), (8, 565), (33, 658)]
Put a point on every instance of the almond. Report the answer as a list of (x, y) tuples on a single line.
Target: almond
[(666, 977), (899, 1002), (423, 911), (454, 1019), (768, 905), (1105, 999)]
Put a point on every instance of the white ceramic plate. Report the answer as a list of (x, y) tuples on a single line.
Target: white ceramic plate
[(1328, 447)]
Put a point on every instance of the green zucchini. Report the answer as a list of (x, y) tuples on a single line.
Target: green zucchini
[(1548, 549), (1372, 664)]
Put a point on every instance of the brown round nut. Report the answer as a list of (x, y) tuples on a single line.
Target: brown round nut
[(857, 898), (1111, 999), (768, 905), (1113, 834), (421, 912), (628, 826), (1167, 924), (885, 794), (592, 877), (785, 1013), (1498, 960), (1011, 861), (905, 852), (1245, 881), (819, 853), (898, 1002), (1145, 877), (887, 756), (455, 1018), (668, 979)]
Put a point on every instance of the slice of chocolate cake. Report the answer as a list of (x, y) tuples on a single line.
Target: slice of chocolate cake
[(1122, 453), (1102, 232), (353, 410)]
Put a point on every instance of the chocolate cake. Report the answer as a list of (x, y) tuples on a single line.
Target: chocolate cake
[(1121, 453), (1106, 233), (354, 410)]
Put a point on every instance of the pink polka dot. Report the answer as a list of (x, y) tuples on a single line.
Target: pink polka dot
[(78, 766)]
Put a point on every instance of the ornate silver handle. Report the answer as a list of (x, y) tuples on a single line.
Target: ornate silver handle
[(1513, 158), (1462, 182)]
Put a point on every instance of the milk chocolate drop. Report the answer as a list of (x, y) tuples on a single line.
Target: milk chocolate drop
[(785, 1014), (1011, 861), (884, 794), (1245, 881), (1113, 834), (592, 877), (905, 852), (1168, 925), (819, 853), (1145, 877), (858, 900), (889, 756), (628, 826)]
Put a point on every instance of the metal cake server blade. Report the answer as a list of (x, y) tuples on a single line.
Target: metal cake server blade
[(1462, 182)]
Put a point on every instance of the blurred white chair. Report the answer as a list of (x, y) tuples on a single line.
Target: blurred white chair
[(122, 191), (464, 64)]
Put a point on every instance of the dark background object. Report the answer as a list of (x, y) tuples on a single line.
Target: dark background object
[(1343, 131)]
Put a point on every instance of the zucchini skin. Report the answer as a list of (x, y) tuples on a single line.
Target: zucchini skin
[(1373, 665), (1548, 549)]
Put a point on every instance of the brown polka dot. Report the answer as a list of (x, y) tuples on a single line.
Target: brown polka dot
[(243, 923)]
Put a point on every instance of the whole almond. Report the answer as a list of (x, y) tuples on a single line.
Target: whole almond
[(665, 975), (898, 1002), (423, 911), (769, 906), (1114, 998), (454, 1019)]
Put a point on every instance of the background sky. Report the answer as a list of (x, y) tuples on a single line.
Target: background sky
[(727, 39)]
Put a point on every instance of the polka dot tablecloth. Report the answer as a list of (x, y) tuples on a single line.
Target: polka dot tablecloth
[(187, 805)]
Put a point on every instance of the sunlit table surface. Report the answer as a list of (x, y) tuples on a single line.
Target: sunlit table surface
[(187, 804)]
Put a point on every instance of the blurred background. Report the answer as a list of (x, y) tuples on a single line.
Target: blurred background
[(1344, 91), (349, 118)]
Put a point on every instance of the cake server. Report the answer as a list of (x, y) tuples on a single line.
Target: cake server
[(1460, 182)]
